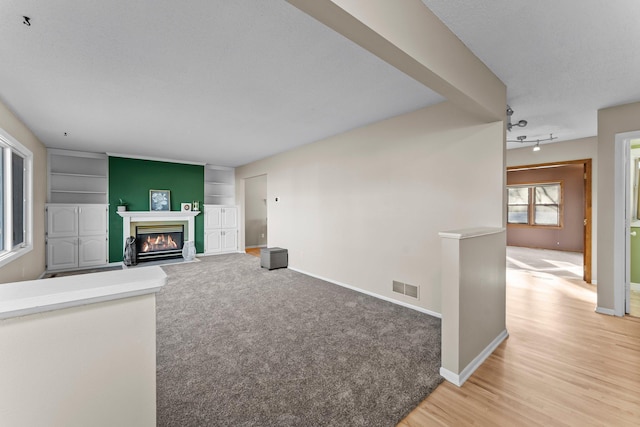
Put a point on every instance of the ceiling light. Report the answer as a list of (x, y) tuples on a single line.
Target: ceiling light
[(521, 123), (523, 139)]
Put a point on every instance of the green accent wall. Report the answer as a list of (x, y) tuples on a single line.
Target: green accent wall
[(131, 180)]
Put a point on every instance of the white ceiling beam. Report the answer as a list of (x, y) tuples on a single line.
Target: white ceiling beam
[(407, 35)]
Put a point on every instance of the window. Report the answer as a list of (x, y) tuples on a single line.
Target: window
[(15, 198), (535, 204)]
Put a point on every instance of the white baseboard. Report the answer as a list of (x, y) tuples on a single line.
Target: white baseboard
[(256, 246), (459, 379), (635, 286), (606, 311), (362, 291)]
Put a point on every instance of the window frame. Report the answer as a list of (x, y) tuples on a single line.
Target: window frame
[(9, 145), (531, 186)]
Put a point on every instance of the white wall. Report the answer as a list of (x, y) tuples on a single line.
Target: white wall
[(93, 365), (365, 207), (577, 149)]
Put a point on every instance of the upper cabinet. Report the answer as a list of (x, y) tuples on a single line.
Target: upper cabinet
[(77, 177), (219, 185)]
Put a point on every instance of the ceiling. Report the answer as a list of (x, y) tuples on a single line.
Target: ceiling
[(230, 82)]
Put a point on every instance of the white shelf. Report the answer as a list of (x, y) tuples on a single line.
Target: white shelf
[(77, 177), (221, 182), (78, 192)]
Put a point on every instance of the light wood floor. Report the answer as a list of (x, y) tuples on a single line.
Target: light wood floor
[(253, 251), (562, 364)]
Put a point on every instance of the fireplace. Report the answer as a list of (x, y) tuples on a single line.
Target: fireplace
[(159, 241)]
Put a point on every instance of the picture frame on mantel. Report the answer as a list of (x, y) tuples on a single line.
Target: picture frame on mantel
[(159, 200)]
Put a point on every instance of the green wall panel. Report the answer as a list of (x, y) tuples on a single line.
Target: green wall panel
[(131, 180)]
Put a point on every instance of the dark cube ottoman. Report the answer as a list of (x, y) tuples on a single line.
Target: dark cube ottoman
[(273, 258)]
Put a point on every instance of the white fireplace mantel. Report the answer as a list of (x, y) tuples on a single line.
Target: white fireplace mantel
[(158, 216)]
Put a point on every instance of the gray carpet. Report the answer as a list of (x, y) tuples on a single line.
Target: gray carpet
[(243, 346)]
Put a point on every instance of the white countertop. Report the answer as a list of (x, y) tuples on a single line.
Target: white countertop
[(36, 296)]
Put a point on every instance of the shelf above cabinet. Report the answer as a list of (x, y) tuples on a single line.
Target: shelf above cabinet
[(77, 175), (78, 192)]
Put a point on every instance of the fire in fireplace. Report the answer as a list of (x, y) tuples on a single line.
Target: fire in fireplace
[(159, 241)]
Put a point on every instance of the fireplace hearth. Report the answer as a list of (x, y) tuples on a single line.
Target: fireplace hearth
[(155, 242)]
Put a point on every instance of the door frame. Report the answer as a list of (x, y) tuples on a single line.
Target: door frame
[(587, 253), (621, 245)]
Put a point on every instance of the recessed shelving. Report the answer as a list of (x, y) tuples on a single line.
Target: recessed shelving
[(219, 185), (77, 177)]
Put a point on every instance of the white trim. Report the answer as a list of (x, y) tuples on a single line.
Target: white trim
[(362, 291), (129, 217), (621, 260), (607, 311), (469, 233), (635, 286), (459, 379), (155, 159), (12, 254), (255, 246)]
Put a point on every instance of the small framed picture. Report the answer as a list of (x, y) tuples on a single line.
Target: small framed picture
[(159, 200), (185, 207)]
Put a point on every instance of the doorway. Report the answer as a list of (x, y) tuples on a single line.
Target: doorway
[(582, 219), (627, 224), (255, 212)]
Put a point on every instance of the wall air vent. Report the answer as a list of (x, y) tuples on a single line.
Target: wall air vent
[(405, 289)]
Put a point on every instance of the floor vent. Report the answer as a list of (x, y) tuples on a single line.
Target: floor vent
[(405, 289)]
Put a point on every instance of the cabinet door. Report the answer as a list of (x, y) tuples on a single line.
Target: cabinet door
[(212, 241), (92, 220), (229, 240), (62, 221), (212, 217), (230, 217), (62, 253), (92, 250)]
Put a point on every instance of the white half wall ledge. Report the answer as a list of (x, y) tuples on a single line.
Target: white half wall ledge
[(468, 233), (460, 379), (38, 296)]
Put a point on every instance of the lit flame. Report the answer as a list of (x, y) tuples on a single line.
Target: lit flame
[(159, 243)]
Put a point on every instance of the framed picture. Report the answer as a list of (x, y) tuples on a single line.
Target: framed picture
[(159, 200)]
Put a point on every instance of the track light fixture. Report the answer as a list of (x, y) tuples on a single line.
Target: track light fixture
[(521, 123), (523, 139)]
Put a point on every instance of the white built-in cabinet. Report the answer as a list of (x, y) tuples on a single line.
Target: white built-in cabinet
[(220, 229), (76, 236)]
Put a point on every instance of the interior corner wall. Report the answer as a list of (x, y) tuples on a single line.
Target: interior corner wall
[(365, 207), (577, 149), (31, 265), (131, 180), (611, 121)]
